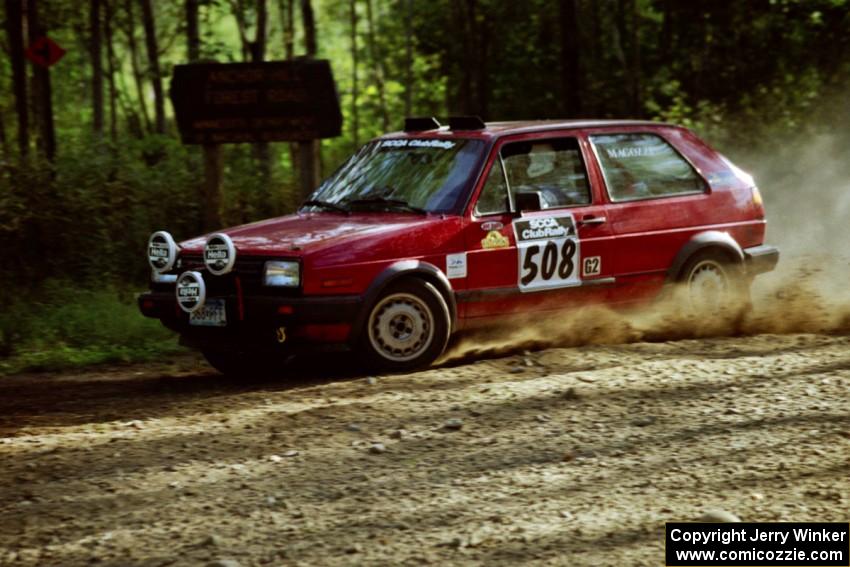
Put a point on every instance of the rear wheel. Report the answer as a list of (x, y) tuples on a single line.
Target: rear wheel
[(714, 287), (407, 327)]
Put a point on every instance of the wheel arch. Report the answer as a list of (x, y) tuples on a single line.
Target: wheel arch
[(406, 269), (702, 242)]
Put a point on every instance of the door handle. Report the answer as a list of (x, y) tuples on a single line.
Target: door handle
[(591, 220)]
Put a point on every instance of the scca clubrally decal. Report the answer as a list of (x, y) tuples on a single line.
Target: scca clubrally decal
[(548, 252)]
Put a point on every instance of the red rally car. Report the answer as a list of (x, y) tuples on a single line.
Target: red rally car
[(439, 229)]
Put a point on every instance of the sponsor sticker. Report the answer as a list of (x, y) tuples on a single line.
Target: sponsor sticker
[(456, 265), (495, 239)]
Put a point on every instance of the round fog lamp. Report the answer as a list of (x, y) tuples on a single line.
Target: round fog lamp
[(191, 291), (219, 254), (162, 251)]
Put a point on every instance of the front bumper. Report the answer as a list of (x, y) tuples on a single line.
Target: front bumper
[(760, 259), (256, 321)]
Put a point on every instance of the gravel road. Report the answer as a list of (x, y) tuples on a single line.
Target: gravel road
[(563, 456)]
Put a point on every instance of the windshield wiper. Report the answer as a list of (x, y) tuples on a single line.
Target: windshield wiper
[(399, 203), (326, 205)]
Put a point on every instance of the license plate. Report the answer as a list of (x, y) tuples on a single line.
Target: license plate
[(212, 314)]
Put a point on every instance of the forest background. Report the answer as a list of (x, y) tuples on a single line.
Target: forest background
[(91, 163)]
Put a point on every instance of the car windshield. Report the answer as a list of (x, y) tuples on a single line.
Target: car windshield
[(407, 175)]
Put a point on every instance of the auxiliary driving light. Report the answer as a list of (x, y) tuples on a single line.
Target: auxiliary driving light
[(162, 251)]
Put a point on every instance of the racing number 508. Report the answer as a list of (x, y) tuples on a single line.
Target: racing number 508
[(549, 262)]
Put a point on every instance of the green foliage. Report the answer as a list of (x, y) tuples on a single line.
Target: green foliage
[(58, 325)]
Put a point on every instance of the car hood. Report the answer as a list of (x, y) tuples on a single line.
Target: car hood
[(360, 236)]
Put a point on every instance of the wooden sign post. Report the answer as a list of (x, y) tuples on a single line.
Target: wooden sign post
[(274, 101)]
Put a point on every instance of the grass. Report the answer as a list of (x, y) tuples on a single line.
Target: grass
[(59, 327)]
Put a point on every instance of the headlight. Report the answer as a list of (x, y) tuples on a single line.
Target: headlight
[(282, 274)]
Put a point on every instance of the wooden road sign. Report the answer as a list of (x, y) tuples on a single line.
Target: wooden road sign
[(218, 103)]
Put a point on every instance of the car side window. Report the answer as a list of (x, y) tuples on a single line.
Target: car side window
[(553, 167), (494, 196), (643, 166)]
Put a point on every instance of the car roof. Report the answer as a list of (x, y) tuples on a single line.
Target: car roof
[(495, 130)]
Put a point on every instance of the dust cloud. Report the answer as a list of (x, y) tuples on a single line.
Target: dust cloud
[(806, 189)]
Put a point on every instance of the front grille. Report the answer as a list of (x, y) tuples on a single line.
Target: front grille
[(249, 270)]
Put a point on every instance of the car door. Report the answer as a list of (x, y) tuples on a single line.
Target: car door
[(658, 200), (536, 260)]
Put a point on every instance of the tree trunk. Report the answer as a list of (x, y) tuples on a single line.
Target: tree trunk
[(309, 24), (467, 59), (153, 65), (134, 124), (570, 74), (258, 53), (284, 12), (355, 115), (595, 64), (620, 33), (14, 30), (96, 67), (136, 66), (42, 96), (4, 141), (238, 9), (379, 68), (193, 37), (482, 75), (634, 63), (110, 60), (211, 187), (628, 53), (209, 191), (408, 57), (309, 150), (667, 30)]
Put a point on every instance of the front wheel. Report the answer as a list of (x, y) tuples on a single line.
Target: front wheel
[(407, 327)]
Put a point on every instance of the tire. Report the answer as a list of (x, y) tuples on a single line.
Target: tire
[(714, 288), (407, 327), (242, 365)]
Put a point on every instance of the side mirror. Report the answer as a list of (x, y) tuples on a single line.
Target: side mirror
[(528, 201)]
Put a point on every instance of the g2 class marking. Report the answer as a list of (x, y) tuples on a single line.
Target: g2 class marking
[(591, 266)]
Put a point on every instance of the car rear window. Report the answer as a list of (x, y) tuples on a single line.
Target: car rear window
[(644, 166)]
